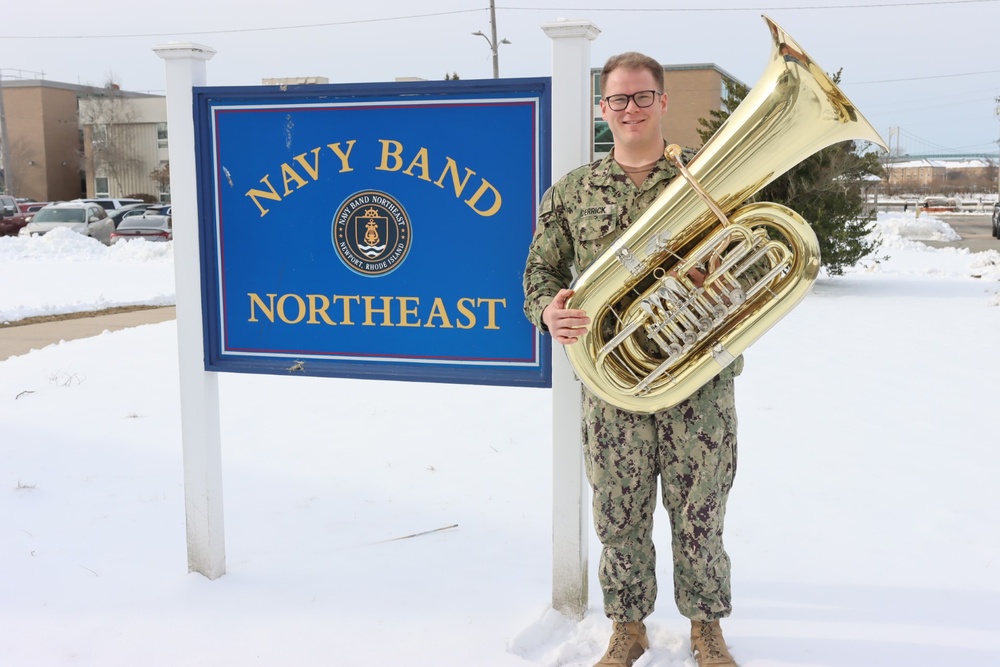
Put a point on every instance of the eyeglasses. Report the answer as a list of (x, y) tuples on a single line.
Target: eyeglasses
[(642, 99)]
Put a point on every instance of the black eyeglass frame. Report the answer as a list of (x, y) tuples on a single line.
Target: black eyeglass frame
[(632, 97)]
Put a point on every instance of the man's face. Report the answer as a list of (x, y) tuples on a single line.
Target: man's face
[(633, 127)]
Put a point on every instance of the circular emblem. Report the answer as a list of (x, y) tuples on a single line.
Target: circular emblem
[(371, 233)]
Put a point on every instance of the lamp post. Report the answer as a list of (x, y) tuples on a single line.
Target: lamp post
[(492, 40)]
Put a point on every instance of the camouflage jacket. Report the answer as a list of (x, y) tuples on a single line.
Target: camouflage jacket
[(580, 216)]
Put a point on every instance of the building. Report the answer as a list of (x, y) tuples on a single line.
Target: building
[(125, 144), (63, 141), (41, 140), (941, 176), (692, 92)]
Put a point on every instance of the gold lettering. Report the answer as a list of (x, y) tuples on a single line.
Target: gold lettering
[(405, 312), (474, 199), (491, 320), (311, 169), (321, 310), (289, 174), (419, 161), (270, 193), (378, 310), (344, 166), (300, 304), (385, 310), (438, 311), (468, 313), (267, 310), (347, 306), (395, 154), (451, 168)]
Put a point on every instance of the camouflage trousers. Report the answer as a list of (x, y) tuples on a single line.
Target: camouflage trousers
[(691, 448)]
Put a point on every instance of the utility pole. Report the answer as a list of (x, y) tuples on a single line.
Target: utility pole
[(492, 39), (890, 156), (4, 145), (996, 112)]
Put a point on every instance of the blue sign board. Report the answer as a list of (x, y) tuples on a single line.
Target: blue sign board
[(372, 230)]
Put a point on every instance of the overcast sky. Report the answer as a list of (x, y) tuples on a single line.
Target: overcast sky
[(930, 69)]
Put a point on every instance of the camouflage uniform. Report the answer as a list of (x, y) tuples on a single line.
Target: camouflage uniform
[(690, 447)]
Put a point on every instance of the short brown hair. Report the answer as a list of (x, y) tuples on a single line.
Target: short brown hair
[(633, 61)]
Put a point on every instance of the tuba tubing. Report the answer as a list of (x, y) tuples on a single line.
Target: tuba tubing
[(655, 336)]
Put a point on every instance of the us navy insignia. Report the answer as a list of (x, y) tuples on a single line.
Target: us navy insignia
[(371, 233)]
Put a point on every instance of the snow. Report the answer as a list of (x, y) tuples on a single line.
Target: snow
[(863, 526)]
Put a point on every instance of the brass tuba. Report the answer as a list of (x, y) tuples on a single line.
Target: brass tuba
[(657, 332)]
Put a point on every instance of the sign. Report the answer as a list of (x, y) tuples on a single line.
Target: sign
[(372, 230)]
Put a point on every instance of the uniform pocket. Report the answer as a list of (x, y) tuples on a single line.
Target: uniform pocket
[(594, 234)]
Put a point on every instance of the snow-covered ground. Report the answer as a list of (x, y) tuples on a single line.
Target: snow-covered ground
[(863, 527)]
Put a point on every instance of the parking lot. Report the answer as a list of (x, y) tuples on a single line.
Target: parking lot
[(974, 229)]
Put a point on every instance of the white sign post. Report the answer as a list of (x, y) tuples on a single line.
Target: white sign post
[(571, 132), (200, 432), (200, 429)]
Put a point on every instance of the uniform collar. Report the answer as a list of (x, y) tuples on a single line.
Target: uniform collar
[(608, 173)]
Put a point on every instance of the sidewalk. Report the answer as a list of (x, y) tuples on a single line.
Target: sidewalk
[(18, 340)]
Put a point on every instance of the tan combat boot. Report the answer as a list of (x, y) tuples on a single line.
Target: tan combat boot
[(708, 646), (628, 642)]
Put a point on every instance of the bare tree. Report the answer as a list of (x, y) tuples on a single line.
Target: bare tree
[(161, 174)]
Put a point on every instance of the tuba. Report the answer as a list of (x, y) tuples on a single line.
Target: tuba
[(697, 278)]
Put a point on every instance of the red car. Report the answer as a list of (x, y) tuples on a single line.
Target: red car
[(11, 217), (29, 207)]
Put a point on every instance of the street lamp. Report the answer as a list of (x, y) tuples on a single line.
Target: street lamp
[(494, 44)]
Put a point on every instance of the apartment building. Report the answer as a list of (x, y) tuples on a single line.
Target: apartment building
[(942, 175)]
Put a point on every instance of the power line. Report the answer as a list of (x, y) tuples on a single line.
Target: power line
[(922, 78), (384, 19), (241, 30), (744, 9)]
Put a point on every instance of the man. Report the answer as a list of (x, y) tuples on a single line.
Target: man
[(691, 448)]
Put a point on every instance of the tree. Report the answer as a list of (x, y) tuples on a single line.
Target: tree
[(731, 98), (162, 176), (827, 189), (110, 116)]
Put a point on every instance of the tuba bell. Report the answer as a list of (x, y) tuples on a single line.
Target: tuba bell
[(697, 278)]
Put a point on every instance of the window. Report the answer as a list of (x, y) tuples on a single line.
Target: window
[(99, 134), (161, 135), (7, 206), (603, 141), (101, 187)]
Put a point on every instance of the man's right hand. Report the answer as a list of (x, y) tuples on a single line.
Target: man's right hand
[(566, 326)]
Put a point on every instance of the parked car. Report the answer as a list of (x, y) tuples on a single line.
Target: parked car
[(87, 219), (110, 204), (154, 224), (30, 207), (940, 205), (119, 214), (996, 220), (12, 220)]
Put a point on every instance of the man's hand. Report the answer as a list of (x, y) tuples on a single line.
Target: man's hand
[(566, 326)]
